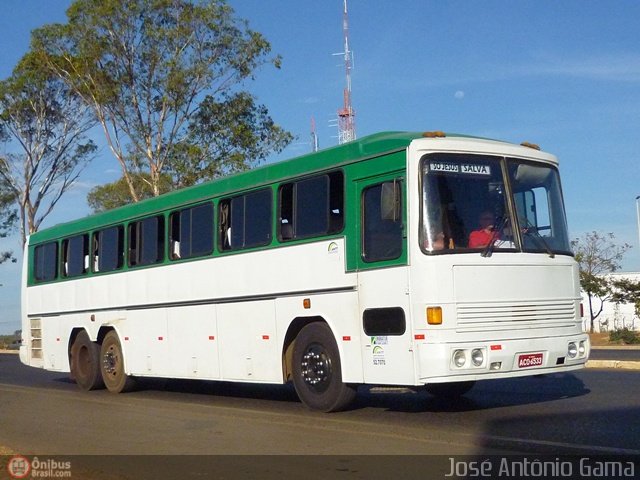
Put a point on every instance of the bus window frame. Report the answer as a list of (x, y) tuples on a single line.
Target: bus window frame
[(169, 227), (223, 229), (294, 185)]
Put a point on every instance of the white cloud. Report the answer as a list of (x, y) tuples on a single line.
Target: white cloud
[(459, 95), (620, 67), (615, 67)]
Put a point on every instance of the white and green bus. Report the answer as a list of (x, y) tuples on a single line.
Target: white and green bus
[(400, 259)]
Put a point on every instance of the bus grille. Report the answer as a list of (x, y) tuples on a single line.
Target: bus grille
[(501, 316)]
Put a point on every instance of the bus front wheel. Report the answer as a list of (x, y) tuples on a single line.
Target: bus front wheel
[(317, 373), (112, 365), (85, 362)]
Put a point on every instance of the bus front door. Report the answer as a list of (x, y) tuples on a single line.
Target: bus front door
[(383, 282)]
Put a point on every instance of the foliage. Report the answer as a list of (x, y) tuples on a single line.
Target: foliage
[(144, 66), (10, 341), (597, 254), (8, 217), (44, 127), (116, 194), (225, 137), (625, 290), (625, 336)]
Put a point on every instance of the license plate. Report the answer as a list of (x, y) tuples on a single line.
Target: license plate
[(530, 360)]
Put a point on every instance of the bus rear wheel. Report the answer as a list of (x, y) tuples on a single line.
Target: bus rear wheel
[(112, 365), (449, 390), (317, 373), (85, 362)]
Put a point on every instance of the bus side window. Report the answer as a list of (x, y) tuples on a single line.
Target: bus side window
[(174, 235), (285, 226), (245, 220), (75, 256), (224, 221), (146, 241), (311, 207), (45, 262), (336, 202), (108, 249), (382, 229), (94, 252), (191, 232)]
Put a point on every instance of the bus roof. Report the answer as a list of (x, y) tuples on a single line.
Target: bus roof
[(366, 147)]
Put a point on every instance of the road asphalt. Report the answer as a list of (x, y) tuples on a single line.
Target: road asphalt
[(625, 357)]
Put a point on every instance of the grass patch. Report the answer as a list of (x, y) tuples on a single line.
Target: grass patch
[(624, 336)]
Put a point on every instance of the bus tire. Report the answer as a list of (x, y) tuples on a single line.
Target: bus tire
[(112, 365), (449, 390), (85, 362), (317, 373)]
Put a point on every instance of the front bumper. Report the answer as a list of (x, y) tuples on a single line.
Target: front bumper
[(501, 358)]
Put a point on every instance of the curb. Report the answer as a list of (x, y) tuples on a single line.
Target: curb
[(619, 364), (615, 347)]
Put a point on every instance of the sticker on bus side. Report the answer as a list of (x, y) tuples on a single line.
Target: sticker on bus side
[(378, 356)]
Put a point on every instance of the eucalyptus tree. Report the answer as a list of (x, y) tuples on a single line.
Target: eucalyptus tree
[(8, 219), (145, 66), (44, 126)]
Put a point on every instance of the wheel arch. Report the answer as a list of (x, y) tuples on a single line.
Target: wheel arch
[(75, 331), (72, 338), (102, 332), (296, 325)]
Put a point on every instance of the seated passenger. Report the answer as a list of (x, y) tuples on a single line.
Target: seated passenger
[(481, 237)]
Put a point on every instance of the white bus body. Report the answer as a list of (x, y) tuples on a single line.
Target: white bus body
[(233, 317)]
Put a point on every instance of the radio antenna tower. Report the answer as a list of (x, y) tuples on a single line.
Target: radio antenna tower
[(314, 136), (346, 115)]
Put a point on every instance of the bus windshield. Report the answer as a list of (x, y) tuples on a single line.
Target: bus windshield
[(465, 206)]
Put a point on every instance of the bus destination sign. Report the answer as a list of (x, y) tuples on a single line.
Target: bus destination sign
[(465, 168)]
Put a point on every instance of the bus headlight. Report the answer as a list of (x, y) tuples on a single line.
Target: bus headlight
[(477, 357), (572, 351), (459, 358), (582, 349)]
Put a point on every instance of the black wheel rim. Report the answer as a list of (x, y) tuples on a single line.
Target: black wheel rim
[(111, 362), (316, 368)]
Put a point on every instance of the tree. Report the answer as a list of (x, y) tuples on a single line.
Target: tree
[(44, 125), (144, 66), (625, 290), (597, 255), (225, 137), (222, 138), (8, 219), (116, 194)]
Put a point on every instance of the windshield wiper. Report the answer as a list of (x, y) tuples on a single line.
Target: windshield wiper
[(488, 250), (532, 231)]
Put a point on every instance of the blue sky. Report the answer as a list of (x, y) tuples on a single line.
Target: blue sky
[(564, 75)]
